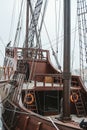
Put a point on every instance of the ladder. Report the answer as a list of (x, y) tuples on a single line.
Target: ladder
[(30, 101), (82, 27), (17, 94), (80, 108), (19, 78)]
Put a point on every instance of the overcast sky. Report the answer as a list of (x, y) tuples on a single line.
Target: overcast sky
[(6, 8)]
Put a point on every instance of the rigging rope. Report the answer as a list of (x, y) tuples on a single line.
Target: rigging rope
[(60, 38), (82, 22), (55, 56), (43, 15), (57, 29), (34, 21), (74, 44), (10, 33), (18, 25), (53, 123)]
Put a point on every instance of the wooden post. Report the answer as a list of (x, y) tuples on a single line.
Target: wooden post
[(66, 64)]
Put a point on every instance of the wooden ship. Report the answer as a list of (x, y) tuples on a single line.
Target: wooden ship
[(37, 96)]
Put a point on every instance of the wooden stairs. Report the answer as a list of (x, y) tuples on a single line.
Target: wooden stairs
[(79, 104)]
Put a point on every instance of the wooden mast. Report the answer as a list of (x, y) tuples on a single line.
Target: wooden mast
[(66, 63), (27, 23)]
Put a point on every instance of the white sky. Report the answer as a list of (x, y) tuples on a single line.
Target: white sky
[(6, 7)]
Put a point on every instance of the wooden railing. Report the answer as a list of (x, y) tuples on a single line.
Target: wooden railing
[(27, 53), (48, 80)]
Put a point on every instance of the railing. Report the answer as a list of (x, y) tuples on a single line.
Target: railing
[(45, 80), (27, 53)]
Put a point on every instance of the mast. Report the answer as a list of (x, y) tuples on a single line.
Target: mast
[(27, 22), (66, 63)]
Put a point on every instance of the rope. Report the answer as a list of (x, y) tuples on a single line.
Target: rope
[(82, 21), (53, 123), (12, 19), (55, 56), (57, 31), (60, 38), (56, 26), (74, 45), (1, 86), (16, 111), (18, 25), (43, 15), (48, 36)]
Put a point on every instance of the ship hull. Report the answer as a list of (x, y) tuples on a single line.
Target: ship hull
[(16, 116)]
